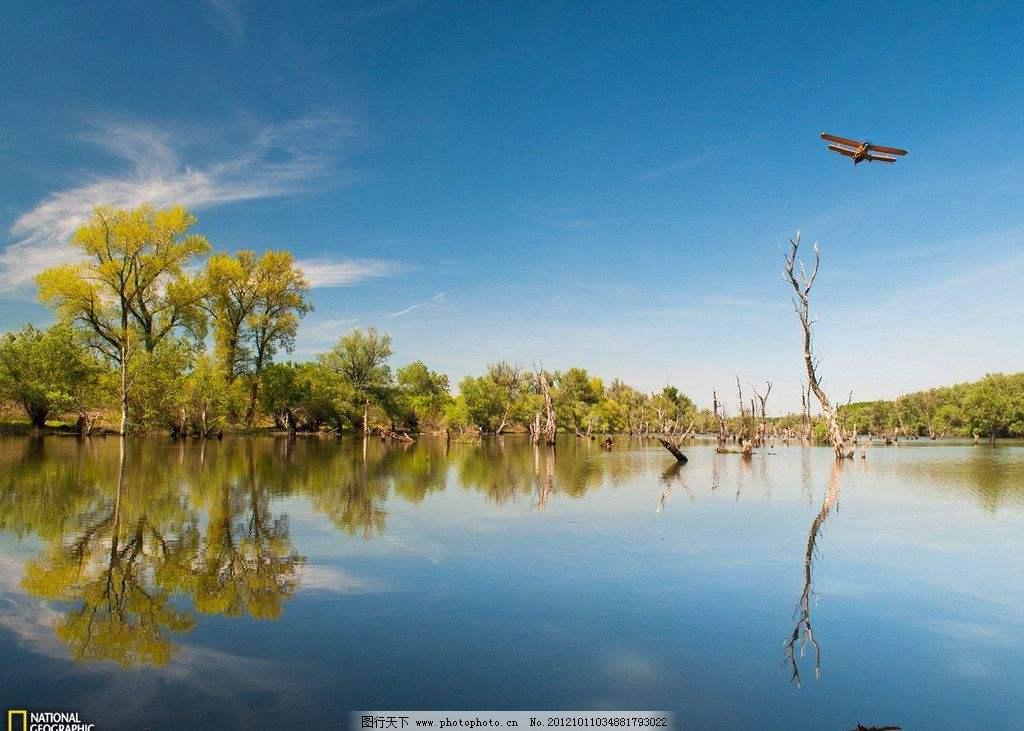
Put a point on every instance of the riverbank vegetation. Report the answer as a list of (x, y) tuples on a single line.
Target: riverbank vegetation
[(157, 333)]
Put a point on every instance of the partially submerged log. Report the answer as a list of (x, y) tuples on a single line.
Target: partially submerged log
[(674, 450), (398, 436)]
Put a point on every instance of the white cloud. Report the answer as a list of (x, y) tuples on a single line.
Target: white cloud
[(226, 17), (325, 272), (436, 298), (338, 581), (272, 161), (321, 332)]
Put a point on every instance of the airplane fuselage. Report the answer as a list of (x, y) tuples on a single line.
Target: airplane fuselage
[(861, 153)]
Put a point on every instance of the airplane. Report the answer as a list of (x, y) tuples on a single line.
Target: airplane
[(861, 151)]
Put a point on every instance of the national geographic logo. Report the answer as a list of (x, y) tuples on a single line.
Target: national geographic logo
[(46, 721)]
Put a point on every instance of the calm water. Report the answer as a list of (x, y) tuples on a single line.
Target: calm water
[(261, 583)]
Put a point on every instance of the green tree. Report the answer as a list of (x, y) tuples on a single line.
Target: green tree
[(132, 286), (481, 403), (423, 394), (360, 358), (46, 371), (994, 404), (509, 384), (577, 395), (255, 304)]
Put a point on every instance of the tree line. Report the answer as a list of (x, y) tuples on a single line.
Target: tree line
[(156, 332)]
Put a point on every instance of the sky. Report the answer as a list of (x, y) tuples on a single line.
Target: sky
[(598, 184)]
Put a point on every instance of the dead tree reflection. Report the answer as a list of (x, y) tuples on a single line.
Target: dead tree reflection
[(803, 634), (671, 474), (545, 482)]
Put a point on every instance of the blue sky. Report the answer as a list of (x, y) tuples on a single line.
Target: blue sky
[(555, 183)]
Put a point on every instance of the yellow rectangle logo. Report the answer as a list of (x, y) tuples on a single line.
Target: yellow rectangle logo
[(23, 715)]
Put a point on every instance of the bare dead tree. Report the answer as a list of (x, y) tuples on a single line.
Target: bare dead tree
[(720, 418), (763, 401), (802, 632), (802, 281), (743, 412), (674, 444), (549, 408), (746, 445), (805, 402)]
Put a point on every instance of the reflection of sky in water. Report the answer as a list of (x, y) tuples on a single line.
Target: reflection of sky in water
[(491, 578)]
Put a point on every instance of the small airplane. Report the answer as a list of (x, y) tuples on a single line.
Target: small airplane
[(861, 151)]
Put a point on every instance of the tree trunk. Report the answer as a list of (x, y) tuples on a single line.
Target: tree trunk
[(550, 429), (673, 450), (992, 437), (254, 394), (37, 415), (366, 417), (124, 390), (720, 418)]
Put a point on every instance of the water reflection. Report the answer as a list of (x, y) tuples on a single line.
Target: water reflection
[(117, 551), (107, 567), (141, 537), (141, 540), (803, 633)]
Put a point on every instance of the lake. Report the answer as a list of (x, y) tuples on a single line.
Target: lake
[(274, 583)]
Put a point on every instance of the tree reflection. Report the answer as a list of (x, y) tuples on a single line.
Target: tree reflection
[(142, 536), (128, 548), (104, 571), (671, 474), (509, 469), (803, 633), (245, 564)]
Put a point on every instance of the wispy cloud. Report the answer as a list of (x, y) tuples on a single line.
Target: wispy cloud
[(273, 160), (314, 334), (328, 272), (412, 308), (676, 167), (226, 17)]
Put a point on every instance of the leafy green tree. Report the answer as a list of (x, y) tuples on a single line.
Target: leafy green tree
[(205, 398), (255, 304), (577, 395), (948, 419), (508, 382), (994, 404), (624, 407), (158, 380), (360, 358), (481, 403), (47, 372), (132, 286), (423, 395), (671, 408)]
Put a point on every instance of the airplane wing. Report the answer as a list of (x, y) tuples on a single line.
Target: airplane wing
[(887, 150), (879, 158), (841, 150), (840, 140)]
